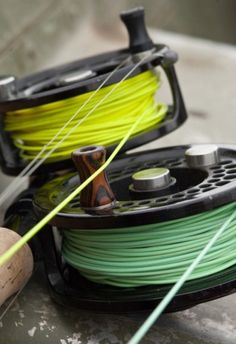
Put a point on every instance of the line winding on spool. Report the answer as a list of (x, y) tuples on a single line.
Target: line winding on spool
[(31, 129)]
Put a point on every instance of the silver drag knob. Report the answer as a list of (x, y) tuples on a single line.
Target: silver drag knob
[(7, 87), (202, 155), (151, 179)]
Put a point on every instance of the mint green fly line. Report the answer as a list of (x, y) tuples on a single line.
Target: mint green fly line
[(155, 314), (151, 254)]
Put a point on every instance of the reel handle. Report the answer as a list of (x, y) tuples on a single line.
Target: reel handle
[(98, 194), (139, 39)]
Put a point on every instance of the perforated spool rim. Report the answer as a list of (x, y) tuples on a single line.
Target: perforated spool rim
[(211, 193)]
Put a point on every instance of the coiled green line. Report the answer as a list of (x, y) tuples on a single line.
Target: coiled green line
[(151, 254)]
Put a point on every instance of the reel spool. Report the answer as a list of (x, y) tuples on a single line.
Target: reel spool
[(86, 75), (149, 188)]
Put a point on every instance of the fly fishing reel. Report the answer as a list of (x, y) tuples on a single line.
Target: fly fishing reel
[(32, 97), (120, 246)]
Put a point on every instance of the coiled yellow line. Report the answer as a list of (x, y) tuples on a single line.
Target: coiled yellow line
[(32, 128)]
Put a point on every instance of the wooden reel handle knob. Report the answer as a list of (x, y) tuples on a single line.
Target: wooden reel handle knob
[(98, 193)]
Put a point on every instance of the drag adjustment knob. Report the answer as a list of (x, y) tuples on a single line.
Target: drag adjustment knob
[(151, 179), (202, 155), (152, 182), (98, 193), (139, 39)]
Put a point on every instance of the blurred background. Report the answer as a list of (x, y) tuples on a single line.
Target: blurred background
[(34, 32)]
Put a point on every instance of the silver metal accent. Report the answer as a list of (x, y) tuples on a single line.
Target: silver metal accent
[(151, 53), (76, 76), (61, 81), (7, 87), (151, 179), (202, 155)]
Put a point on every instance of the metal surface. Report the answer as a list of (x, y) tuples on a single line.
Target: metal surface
[(151, 179), (7, 87), (202, 155)]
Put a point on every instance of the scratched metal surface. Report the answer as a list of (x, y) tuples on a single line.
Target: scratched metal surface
[(207, 74)]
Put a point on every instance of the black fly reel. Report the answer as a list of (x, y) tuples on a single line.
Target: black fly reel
[(151, 187), (86, 75)]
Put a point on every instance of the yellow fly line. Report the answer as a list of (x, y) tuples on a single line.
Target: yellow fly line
[(32, 128)]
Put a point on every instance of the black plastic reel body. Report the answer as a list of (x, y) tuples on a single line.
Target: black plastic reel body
[(197, 190), (20, 218), (86, 75), (70, 289)]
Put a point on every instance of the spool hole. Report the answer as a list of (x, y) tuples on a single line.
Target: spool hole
[(216, 167), (230, 166), (225, 162), (214, 180), (231, 171), (204, 186), (230, 177), (144, 202), (220, 170), (161, 199), (219, 175), (221, 183), (208, 189), (180, 195), (193, 191)]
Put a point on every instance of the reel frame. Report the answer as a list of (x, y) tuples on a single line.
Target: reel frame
[(51, 85), (69, 288)]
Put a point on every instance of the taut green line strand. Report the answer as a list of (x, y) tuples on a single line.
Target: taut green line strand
[(30, 234), (174, 290)]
